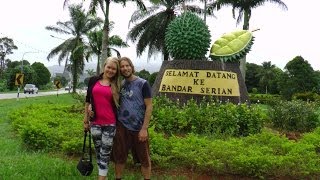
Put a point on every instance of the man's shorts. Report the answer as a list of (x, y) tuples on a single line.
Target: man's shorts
[(126, 140)]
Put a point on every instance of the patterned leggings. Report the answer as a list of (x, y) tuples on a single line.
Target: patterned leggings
[(103, 139)]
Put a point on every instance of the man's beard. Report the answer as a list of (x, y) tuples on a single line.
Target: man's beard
[(128, 76)]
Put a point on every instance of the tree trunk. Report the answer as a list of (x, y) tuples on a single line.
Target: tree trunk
[(205, 11), (105, 38), (246, 19), (74, 72)]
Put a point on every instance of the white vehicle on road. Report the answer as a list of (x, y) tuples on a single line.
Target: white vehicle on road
[(30, 88)]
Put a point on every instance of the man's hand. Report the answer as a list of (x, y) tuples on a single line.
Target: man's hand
[(143, 135)]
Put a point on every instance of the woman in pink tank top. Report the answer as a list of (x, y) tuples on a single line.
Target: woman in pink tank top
[(103, 99)]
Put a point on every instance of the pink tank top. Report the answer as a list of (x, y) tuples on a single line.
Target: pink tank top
[(103, 103)]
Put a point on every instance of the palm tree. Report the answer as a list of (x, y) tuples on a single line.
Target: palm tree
[(95, 43), (90, 72), (244, 7), (267, 75), (74, 47), (149, 30), (105, 6)]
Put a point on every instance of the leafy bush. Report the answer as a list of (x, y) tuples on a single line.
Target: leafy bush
[(260, 155), (307, 96), (294, 116), (3, 85), (50, 127), (208, 117), (254, 90), (264, 98)]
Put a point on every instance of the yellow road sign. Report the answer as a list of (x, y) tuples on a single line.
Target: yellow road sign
[(58, 84), (19, 79)]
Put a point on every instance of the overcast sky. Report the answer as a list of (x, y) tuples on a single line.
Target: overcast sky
[(282, 35)]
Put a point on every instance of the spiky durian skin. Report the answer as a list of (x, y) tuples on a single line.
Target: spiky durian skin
[(231, 47), (187, 37)]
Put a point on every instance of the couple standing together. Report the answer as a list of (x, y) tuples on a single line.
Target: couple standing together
[(118, 116)]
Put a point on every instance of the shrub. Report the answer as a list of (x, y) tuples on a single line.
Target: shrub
[(49, 127), (264, 98), (207, 117), (294, 116), (307, 96)]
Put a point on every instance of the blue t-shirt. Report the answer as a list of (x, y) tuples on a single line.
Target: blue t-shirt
[(132, 107)]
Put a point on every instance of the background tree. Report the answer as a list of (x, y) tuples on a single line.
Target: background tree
[(90, 72), (266, 76), (143, 74), (274, 82), (253, 76), (317, 76), (12, 64), (6, 47), (299, 77), (245, 8), (42, 74), (62, 79), (74, 48), (152, 78), (29, 76)]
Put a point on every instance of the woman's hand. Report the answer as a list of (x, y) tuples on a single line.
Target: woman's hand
[(90, 112), (86, 125)]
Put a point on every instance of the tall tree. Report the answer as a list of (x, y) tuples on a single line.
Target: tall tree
[(150, 25), (253, 76), (245, 8), (42, 74), (299, 77), (269, 75), (104, 5), (6, 47), (73, 48)]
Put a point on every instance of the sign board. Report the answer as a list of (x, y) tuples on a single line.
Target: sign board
[(19, 79), (202, 82), (58, 84)]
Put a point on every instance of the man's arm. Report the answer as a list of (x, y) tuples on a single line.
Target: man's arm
[(148, 113), (143, 134)]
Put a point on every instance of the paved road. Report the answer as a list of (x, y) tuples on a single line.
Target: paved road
[(22, 95)]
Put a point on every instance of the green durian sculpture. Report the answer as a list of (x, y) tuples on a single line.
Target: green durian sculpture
[(187, 37), (233, 46)]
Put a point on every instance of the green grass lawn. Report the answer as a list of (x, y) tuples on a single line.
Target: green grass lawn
[(17, 162)]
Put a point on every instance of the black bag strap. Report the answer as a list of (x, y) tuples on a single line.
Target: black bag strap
[(84, 144)]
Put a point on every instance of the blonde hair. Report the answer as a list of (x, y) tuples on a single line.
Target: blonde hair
[(129, 61), (115, 81)]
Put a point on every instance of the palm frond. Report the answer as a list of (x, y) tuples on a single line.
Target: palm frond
[(140, 4), (116, 41), (153, 34), (115, 50), (57, 30), (198, 10), (94, 4), (139, 15)]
